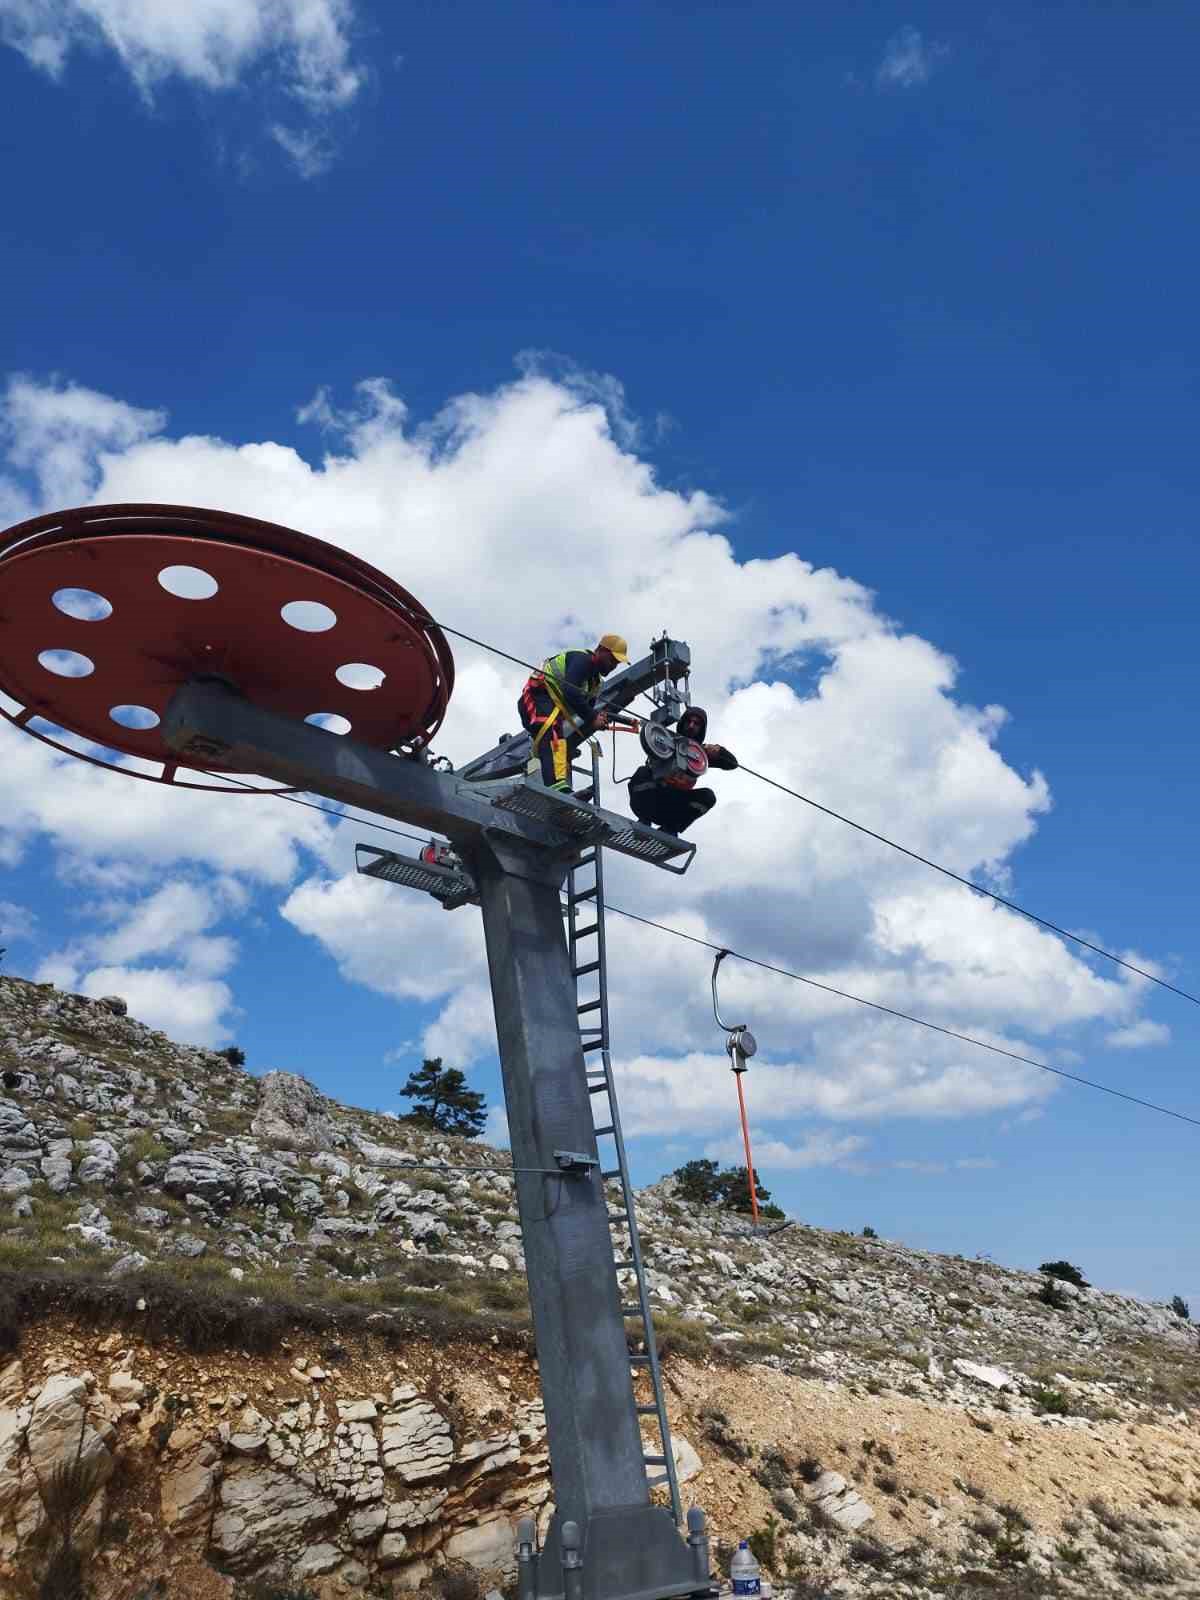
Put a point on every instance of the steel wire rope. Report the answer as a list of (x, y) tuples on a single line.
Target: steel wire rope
[(774, 783), (976, 888), (904, 1016), (313, 805), (914, 855)]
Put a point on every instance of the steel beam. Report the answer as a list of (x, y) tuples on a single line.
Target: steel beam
[(624, 1547), (597, 1455), (211, 721)]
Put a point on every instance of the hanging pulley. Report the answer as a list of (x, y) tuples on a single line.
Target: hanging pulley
[(658, 742), (672, 756), (741, 1045)]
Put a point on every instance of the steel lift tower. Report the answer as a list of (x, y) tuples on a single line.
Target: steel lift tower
[(184, 646)]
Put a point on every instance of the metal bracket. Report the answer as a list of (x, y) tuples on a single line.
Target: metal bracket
[(588, 824), (572, 1161), (453, 886)]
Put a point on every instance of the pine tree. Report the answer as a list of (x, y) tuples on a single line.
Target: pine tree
[(704, 1184), (442, 1100), (735, 1189), (699, 1182)]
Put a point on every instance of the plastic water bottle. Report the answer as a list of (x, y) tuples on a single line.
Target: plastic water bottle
[(743, 1569)]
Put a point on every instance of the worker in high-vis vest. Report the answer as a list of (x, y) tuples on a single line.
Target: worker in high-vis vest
[(674, 803), (558, 706)]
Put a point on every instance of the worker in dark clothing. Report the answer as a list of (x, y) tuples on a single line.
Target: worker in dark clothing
[(558, 706), (674, 803)]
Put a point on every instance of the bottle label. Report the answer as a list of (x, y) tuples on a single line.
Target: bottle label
[(747, 1586)]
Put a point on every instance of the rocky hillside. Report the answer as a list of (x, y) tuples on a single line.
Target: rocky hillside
[(283, 1338)]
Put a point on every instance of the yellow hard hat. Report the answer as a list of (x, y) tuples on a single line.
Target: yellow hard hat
[(615, 643)]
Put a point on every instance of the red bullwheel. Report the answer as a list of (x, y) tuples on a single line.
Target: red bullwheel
[(105, 611)]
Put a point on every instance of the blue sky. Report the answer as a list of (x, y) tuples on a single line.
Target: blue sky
[(905, 291)]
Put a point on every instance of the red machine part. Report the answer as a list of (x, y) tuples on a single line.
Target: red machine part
[(107, 610), (697, 759)]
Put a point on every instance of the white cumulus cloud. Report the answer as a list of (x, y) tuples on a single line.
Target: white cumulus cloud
[(16, 922), (488, 512), (1138, 1035), (182, 1004), (301, 48), (819, 1149), (160, 949)]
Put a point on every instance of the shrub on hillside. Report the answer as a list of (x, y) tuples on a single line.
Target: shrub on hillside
[(703, 1183), (1051, 1295), (442, 1101), (719, 1431), (234, 1056), (457, 1583), (1065, 1271), (762, 1543), (1051, 1402), (1181, 1309)]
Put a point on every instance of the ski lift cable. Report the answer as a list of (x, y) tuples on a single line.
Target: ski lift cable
[(904, 1016), (1010, 905), (313, 805), (990, 894), (797, 977)]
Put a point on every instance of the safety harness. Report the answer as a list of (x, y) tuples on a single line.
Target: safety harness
[(551, 678)]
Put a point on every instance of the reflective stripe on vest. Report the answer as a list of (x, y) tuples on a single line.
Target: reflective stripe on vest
[(554, 670)]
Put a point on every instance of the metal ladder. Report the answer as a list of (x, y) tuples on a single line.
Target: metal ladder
[(585, 924)]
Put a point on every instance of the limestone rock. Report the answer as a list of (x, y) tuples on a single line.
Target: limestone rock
[(258, 1187), (993, 1377), (57, 1171), (197, 1172), (392, 1549), (687, 1462), (416, 1439), (292, 1110), (357, 1410), (264, 1514), (325, 1161), (114, 1003), (489, 1544), (425, 1228), (59, 1430), (19, 1510), (99, 1163), (59, 1433), (17, 1133), (124, 1386), (187, 1245), (317, 1560), (840, 1501), (187, 1494), (130, 1261), (368, 1524)]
